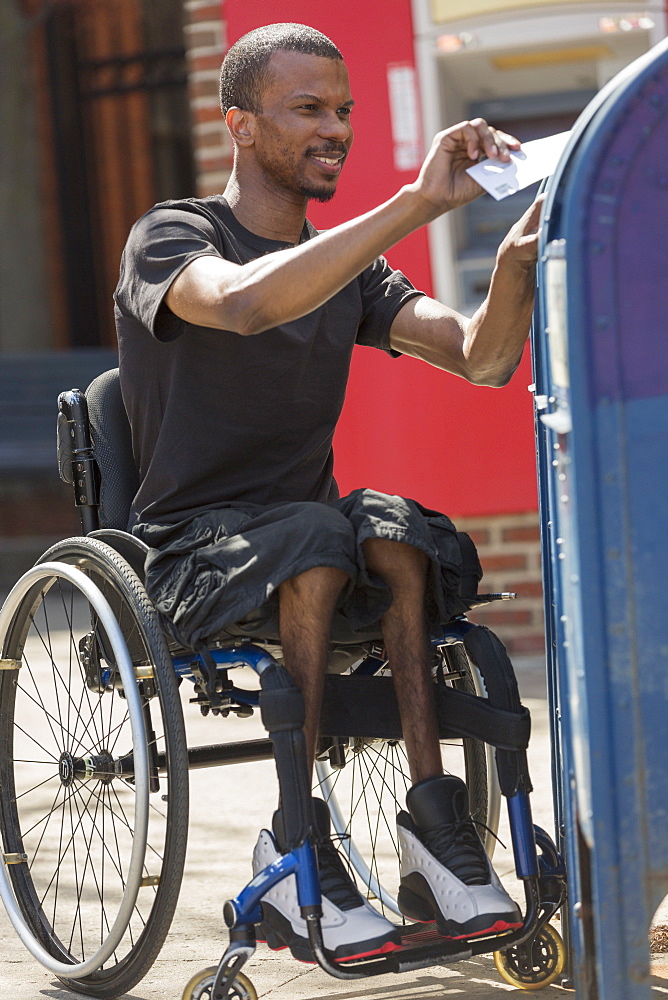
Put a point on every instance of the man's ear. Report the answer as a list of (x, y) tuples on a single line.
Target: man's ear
[(241, 126)]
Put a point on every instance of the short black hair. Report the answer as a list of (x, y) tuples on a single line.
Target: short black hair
[(245, 74)]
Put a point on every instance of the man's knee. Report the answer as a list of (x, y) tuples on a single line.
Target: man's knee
[(389, 558), (316, 585)]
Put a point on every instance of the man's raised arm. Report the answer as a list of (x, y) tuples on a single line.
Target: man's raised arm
[(285, 285)]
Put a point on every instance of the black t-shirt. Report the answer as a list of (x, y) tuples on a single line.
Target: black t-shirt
[(218, 418)]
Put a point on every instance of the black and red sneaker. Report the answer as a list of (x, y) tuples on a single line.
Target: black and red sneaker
[(446, 875)]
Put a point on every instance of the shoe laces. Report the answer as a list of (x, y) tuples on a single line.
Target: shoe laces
[(458, 848), (479, 823), (335, 881)]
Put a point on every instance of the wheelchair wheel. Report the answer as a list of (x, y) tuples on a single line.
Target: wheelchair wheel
[(93, 769), (201, 985), (365, 795), (536, 963)]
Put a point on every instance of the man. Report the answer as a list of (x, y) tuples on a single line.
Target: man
[(236, 322)]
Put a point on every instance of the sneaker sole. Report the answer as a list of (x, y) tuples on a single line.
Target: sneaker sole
[(425, 909), (278, 933)]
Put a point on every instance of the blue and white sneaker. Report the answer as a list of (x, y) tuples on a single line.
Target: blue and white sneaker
[(446, 875), (351, 928)]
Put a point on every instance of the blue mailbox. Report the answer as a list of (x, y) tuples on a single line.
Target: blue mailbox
[(601, 370)]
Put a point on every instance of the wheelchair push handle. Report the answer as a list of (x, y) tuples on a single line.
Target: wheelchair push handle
[(76, 460)]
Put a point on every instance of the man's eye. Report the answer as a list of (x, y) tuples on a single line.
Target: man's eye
[(345, 112), (308, 107)]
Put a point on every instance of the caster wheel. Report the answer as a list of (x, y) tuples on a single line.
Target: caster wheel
[(534, 965), (200, 987)]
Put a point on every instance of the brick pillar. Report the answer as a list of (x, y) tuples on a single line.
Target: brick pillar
[(206, 45), (509, 550)]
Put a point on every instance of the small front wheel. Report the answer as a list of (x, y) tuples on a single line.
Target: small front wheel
[(200, 987), (534, 964)]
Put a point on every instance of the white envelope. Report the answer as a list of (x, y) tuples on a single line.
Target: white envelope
[(534, 161)]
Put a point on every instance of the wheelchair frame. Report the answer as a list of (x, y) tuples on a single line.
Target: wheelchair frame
[(498, 720)]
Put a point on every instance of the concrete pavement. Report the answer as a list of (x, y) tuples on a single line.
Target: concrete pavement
[(228, 807)]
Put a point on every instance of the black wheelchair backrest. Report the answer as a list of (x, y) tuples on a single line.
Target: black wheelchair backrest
[(93, 430)]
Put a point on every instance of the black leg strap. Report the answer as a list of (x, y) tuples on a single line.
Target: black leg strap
[(489, 655), (282, 709)]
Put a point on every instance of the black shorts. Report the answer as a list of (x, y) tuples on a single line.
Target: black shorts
[(223, 567)]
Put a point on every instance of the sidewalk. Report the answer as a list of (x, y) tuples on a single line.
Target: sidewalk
[(228, 807)]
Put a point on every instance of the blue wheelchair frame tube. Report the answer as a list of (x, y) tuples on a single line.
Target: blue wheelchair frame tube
[(301, 862), (523, 835)]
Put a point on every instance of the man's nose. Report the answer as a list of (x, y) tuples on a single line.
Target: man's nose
[(335, 127)]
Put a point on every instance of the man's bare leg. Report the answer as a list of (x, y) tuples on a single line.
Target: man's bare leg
[(306, 606), (436, 865), (351, 927), (404, 570)]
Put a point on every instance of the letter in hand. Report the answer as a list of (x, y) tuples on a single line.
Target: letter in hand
[(443, 181)]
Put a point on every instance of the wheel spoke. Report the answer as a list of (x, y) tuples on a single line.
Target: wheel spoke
[(87, 861), (84, 687), (38, 701), (54, 669), (60, 847), (39, 785), (70, 843), (48, 715), (117, 730), (47, 817), (49, 651), (118, 851), (331, 784), (21, 760), (44, 818), (76, 881)]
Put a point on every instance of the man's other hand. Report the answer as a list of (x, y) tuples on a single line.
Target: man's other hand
[(443, 182), (520, 245)]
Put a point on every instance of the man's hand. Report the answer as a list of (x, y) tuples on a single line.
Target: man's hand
[(520, 245), (443, 182)]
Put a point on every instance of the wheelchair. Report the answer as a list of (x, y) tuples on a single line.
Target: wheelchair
[(94, 761)]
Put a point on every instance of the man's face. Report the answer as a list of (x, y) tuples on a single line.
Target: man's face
[(303, 132)]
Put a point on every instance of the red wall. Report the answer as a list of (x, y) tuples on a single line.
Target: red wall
[(406, 428)]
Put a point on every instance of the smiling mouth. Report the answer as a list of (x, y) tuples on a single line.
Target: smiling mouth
[(330, 163)]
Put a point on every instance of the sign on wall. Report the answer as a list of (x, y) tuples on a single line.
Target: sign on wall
[(405, 116)]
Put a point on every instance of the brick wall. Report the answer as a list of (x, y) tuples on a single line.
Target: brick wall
[(509, 550), (206, 44)]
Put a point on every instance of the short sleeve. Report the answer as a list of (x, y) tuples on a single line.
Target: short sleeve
[(161, 243), (384, 291)]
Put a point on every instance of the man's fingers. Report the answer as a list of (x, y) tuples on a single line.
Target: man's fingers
[(509, 140), (481, 139), (526, 247), (493, 142), (532, 214), (472, 138), (530, 239)]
